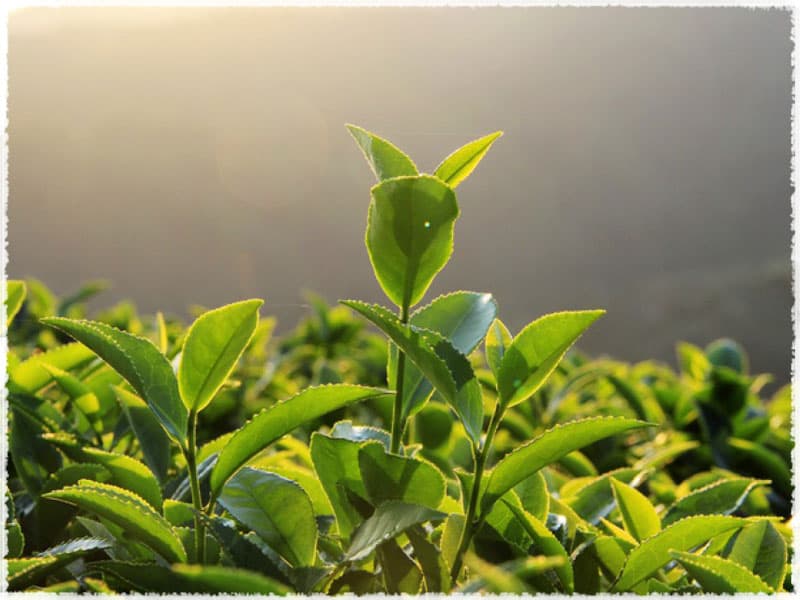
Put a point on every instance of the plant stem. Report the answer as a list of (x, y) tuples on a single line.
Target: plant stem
[(470, 523), (397, 411), (191, 464)]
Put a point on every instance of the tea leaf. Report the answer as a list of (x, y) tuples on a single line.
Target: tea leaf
[(462, 318), (410, 234), (384, 158), (719, 498), (761, 549), (498, 339), (128, 511), (31, 375), (548, 448), (720, 576), (653, 553), (276, 421), (276, 509), (546, 544), (459, 165), (139, 362), (390, 477), (447, 369), (389, 520), (537, 350), (212, 348), (152, 438), (638, 515), (15, 296), (190, 579), (23, 572)]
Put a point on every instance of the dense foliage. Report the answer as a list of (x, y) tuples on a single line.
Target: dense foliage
[(149, 456)]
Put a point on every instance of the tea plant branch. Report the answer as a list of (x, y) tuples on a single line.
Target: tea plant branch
[(190, 452), (470, 523), (397, 411)]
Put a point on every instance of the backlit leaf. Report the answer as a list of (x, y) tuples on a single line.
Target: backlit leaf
[(459, 165), (384, 158)]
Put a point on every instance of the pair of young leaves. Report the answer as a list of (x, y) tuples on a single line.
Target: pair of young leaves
[(211, 350)]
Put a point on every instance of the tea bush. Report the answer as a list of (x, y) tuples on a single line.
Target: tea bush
[(151, 457)]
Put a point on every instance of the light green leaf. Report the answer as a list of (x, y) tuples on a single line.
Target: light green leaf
[(537, 350), (384, 158), (498, 339), (594, 500), (410, 234), (275, 508), (462, 318), (388, 521), (653, 553), (128, 511), (534, 496), (719, 498), (213, 345), (391, 477), (720, 576), (276, 421), (548, 448), (638, 515), (15, 296), (445, 368), (761, 549), (459, 165), (139, 362), (190, 579), (31, 374), (546, 544), (152, 438)]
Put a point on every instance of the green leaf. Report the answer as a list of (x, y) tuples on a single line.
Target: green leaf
[(276, 421), (410, 234), (721, 576), (401, 575), (767, 462), (384, 158), (431, 560), (24, 572), (595, 499), (462, 318), (33, 458), (16, 540), (190, 579), (391, 477), (459, 165), (548, 448), (213, 345), (534, 496), (653, 553), (445, 368), (128, 511), (15, 296), (126, 471), (31, 374), (498, 339), (139, 362), (638, 515), (537, 350), (719, 498), (336, 464), (388, 521), (546, 544), (152, 438), (761, 549), (275, 508)]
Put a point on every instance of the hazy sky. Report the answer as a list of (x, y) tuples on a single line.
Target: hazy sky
[(199, 156)]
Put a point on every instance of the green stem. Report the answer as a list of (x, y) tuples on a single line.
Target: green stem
[(191, 464), (471, 524), (397, 411)]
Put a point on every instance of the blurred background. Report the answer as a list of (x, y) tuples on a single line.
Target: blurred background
[(199, 156)]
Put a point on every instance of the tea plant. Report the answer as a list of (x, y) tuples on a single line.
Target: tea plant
[(452, 457)]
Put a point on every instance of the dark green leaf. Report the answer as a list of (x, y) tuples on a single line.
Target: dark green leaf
[(275, 508), (720, 576), (152, 438)]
